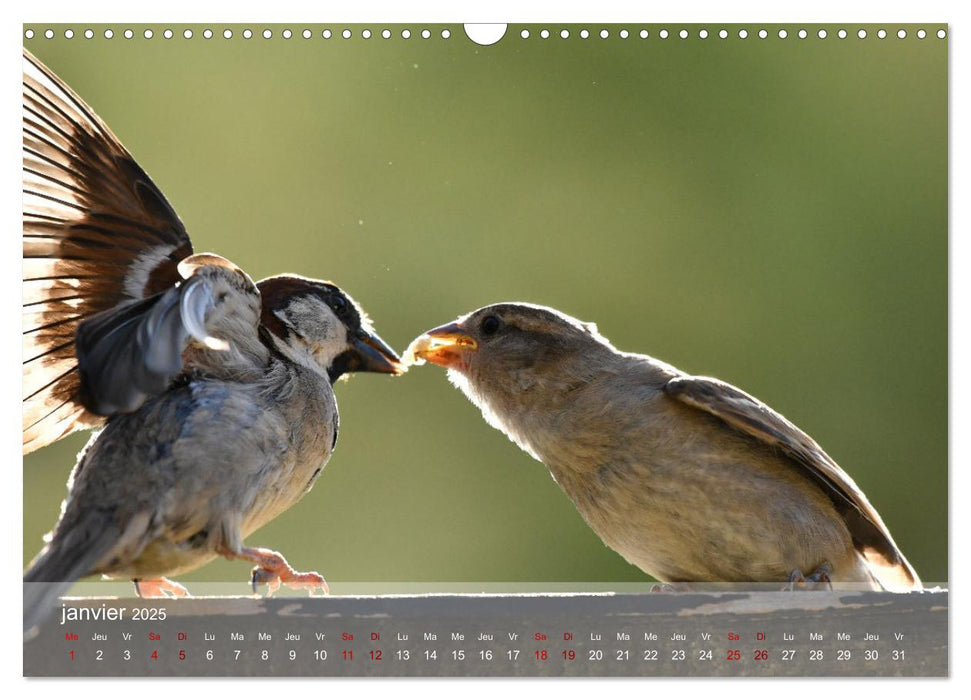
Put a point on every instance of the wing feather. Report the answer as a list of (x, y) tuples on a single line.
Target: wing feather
[(97, 233), (750, 416), (135, 350)]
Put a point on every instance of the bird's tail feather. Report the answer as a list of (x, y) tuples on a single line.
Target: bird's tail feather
[(70, 555), (894, 575)]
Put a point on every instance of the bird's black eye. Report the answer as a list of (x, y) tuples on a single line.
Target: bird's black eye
[(490, 324), (337, 303)]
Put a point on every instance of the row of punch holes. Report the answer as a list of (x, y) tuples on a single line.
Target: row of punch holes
[(490, 35)]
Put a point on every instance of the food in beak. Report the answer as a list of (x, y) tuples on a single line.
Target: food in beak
[(444, 346)]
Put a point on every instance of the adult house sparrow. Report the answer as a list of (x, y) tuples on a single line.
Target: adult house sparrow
[(215, 393), (688, 478)]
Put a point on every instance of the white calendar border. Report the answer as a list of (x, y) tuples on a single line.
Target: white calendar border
[(96, 11)]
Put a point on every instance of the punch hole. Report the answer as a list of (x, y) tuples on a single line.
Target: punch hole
[(326, 34), (489, 34), (941, 33)]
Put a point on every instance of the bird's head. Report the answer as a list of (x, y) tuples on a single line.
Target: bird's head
[(317, 325), (509, 356)]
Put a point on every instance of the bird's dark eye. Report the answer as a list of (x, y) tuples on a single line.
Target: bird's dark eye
[(337, 303), (490, 324)]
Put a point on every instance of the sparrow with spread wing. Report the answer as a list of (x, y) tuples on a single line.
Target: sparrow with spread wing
[(688, 478), (214, 394)]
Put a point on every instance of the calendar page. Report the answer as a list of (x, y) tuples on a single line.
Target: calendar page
[(498, 350)]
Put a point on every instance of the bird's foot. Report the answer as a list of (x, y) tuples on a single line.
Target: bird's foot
[(159, 588), (817, 580), (273, 570), (671, 588)]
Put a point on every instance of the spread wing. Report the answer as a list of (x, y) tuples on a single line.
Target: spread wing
[(750, 416), (135, 350), (96, 233)]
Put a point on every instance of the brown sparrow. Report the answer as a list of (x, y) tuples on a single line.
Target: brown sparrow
[(215, 394), (688, 478)]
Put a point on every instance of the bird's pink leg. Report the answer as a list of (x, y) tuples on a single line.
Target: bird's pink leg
[(273, 570), (159, 588)]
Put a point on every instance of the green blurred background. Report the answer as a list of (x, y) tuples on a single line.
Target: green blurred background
[(771, 212)]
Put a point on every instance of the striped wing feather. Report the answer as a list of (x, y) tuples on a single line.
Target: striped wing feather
[(96, 233), (750, 416)]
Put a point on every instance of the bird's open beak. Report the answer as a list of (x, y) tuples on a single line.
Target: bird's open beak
[(375, 355), (445, 346)]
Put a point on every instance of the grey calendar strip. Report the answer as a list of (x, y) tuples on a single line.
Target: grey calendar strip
[(783, 633)]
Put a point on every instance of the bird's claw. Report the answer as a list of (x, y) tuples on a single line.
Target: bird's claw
[(274, 571), (259, 576), (671, 588), (817, 580)]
